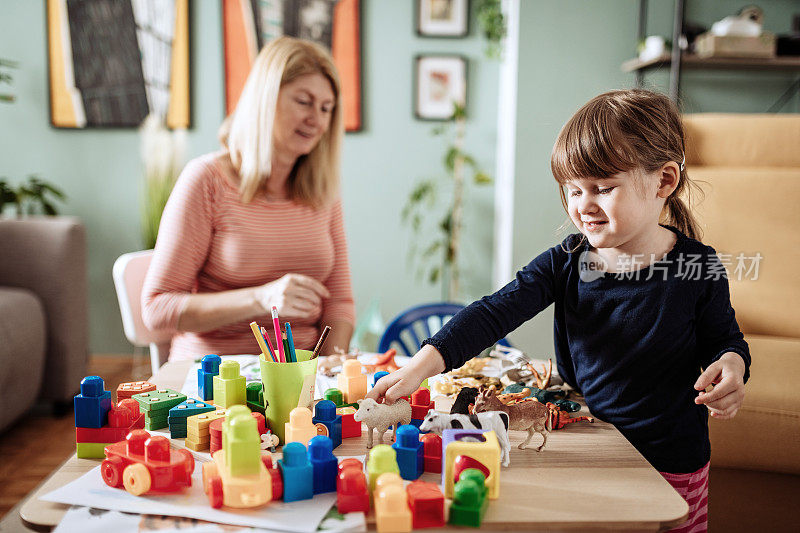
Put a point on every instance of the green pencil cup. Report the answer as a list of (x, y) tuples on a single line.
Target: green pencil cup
[(283, 383)]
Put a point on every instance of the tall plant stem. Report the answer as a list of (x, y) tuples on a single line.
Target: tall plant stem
[(458, 194)]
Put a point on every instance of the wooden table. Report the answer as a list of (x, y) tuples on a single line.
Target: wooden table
[(587, 477)]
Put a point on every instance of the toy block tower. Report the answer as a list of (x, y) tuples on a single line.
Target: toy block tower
[(123, 418), (92, 404), (156, 406), (352, 495), (209, 367), (325, 414), (241, 443), (469, 499), (178, 415), (392, 514), (382, 459), (409, 452), (198, 436), (230, 387), (298, 474), (320, 454), (352, 382)]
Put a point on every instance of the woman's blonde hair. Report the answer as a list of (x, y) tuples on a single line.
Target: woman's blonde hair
[(625, 130), (247, 133)]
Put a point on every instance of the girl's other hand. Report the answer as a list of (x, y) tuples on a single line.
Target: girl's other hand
[(426, 363), (294, 295), (727, 376)]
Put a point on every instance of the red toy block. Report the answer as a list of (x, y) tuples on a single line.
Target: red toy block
[(350, 427), (433, 452), (421, 403), (144, 464), (126, 390), (352, 494), (462, 462), (215, 430), (275, 473), (122, 419), (426, 502)]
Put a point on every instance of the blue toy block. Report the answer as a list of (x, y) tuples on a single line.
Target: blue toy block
[(416, 423), (297, 473), (378, 375), (209, 367), (410, 452), (92, 404), (190, 407), (325, 413), (320, 454)]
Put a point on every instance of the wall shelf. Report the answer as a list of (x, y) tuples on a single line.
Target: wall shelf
[(721, 63)]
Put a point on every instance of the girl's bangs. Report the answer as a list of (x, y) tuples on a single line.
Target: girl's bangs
[(590, 145)]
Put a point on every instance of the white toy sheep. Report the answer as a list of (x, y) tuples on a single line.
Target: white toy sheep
[(380, 416)]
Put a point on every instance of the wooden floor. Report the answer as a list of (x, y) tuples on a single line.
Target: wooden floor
[(39, 442)]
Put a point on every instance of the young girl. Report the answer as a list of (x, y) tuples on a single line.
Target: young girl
[(640, 307)]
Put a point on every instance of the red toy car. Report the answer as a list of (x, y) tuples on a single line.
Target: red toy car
[(146, 464)]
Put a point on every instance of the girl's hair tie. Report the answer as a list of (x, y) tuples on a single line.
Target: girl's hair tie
[(683, 163)]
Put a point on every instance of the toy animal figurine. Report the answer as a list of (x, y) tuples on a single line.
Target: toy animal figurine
[(383, 363), (465, 399), (560, 417), (521, 360), (380, 416), (327, 363), (530, 416), (493, 421)]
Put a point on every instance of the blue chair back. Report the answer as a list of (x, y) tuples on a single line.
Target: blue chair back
[(408, 329)]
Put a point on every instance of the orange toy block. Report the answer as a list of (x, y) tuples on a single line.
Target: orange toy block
[(392, 514), (126, 390), (352, 382), (300, 427)]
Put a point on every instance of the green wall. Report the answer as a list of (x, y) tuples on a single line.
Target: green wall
[(100, 170), (570, 51)]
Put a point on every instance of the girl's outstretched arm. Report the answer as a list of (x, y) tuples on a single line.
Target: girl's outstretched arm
[(426, 363)]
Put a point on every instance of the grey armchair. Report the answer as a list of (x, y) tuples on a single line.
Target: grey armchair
[(43, 312)]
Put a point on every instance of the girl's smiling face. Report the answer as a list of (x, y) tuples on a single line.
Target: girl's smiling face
[(619, 212)]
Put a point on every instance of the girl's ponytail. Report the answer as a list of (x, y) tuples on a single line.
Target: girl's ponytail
[(677, 212)]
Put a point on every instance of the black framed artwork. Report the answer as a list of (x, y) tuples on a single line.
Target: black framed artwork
[(440, 82), (442, 18)]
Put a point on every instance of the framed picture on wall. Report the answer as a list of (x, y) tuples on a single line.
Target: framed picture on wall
[(442, 18), (440, 83)]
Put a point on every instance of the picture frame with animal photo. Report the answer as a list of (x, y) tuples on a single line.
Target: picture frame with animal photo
[(440, 82), (442, 18)]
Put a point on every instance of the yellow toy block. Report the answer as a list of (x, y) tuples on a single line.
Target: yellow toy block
[(197, 433), (392, 514), (230, 387), (352, 382), (300, 427), (488, 453)]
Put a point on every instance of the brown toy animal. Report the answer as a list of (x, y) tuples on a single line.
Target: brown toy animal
[(532, 417)]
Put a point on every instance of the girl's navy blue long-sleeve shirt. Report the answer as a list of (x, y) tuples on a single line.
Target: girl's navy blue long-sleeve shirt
[(633, 344)]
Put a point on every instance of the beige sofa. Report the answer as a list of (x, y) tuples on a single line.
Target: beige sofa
[(43, 312), (749, 167)]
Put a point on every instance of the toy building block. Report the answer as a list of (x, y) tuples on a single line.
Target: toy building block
[(382, 459), (297, 472), (198, 436), (420, 404), (216, 439), (144, 464), (433, 452), (126, 390), (427, 504), (209, 367), (392, 514), (122, 419), (156, 406), (300, 427), (230, 387), (352, 382), (334, 395), (320, 454), (325, 414), (410, 452), (350, 426), (378, 375), (92, 404), (352, 495), (238, 476), (482, 448), (178, 415), (469, 500), (254, 393), (275, 474)]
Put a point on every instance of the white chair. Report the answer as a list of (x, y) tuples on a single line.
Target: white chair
[(129, 272)]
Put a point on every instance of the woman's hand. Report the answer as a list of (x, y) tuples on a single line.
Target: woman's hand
[(294, 295), (727, 375), (426, 363)]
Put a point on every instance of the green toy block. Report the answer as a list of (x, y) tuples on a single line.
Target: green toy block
[(230, 387), (91, 450), (382, 459), (334, 395), (190, 407), (158, 400), (255, 397), (469, 499), (241, 442)]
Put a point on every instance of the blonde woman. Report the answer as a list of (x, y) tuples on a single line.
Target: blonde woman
[(259, 223)]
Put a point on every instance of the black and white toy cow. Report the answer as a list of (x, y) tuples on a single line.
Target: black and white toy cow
[(496, 421)]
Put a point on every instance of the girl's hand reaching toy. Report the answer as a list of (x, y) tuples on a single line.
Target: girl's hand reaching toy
[(727, 376)]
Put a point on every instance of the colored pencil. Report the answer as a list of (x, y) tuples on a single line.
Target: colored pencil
[(260, 339), (276, 324), (269, 343), (289, 338), (286, 349), (321, 341)]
